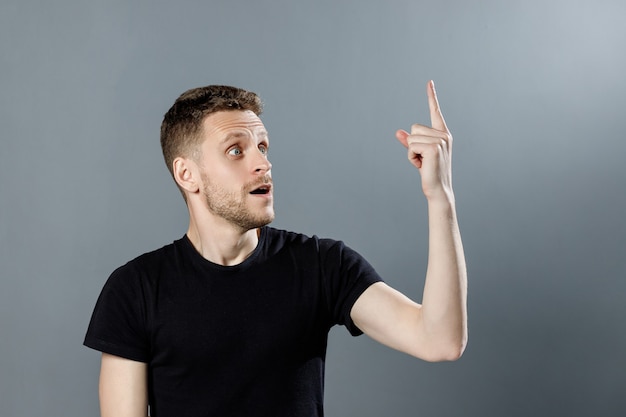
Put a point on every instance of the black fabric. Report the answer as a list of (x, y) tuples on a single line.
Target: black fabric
[(244, 340)]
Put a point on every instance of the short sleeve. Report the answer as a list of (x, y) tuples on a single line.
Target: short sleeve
[(346, 276), (118, 323)]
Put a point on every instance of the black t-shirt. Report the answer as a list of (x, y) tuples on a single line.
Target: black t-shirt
[(243, 340)]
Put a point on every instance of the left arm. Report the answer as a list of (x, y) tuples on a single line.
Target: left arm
[(435, 330)]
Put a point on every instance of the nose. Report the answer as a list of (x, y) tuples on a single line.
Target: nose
[(262, 164)]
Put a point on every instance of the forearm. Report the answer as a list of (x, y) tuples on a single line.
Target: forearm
[(444, 302)]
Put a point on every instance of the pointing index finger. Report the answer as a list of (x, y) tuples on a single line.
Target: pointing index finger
[(436, 117)]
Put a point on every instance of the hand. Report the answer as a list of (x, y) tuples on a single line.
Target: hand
[(430, 150)]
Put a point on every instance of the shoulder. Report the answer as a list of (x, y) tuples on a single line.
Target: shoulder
[(280, 239), (324, 249), (146, 265)]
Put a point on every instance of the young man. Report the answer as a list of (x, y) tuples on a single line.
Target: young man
[(232, 319)]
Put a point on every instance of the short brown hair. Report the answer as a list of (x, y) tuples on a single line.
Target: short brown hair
[(182, 124)]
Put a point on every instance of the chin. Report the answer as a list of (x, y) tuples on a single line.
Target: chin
[(268, 219), (257, 222)]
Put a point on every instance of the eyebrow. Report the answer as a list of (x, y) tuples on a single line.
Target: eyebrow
[(237, 135)]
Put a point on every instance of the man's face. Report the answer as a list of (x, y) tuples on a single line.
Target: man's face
[(236, 174)]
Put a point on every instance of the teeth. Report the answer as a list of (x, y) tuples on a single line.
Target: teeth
[(262, 189)]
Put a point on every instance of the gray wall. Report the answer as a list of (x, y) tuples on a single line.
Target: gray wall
[(534, 93)]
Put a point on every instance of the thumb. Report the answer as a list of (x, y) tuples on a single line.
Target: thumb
[(402, 136)]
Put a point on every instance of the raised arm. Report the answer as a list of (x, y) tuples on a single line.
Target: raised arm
[(123, 387), (435, 330)]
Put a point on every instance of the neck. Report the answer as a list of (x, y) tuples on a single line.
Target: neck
[(221, 242)]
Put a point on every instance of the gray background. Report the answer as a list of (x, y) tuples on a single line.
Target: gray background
[(534, 93)]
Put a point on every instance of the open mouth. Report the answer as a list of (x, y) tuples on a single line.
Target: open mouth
[(263, 189)]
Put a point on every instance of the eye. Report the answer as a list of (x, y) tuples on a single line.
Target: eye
[(263, 148), (234, 152)]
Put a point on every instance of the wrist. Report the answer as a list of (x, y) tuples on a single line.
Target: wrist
[(442, 200)]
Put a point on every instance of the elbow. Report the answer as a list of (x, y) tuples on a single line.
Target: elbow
[(453, 354), (455, 349), (450, 355), (448, 352)]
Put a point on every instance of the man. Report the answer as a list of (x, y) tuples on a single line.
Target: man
[(232, 319)]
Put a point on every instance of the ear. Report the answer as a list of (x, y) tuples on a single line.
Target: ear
[(186, 174)]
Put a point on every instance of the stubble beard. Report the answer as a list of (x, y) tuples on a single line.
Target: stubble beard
[(231, 206)]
